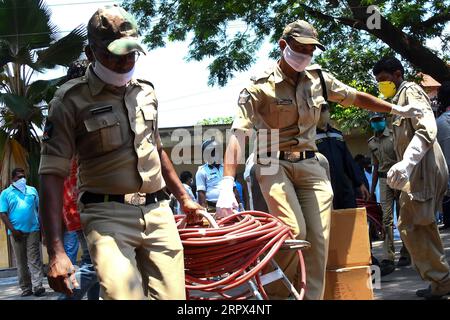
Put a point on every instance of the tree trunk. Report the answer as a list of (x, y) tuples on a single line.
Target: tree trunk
[(408, 47)]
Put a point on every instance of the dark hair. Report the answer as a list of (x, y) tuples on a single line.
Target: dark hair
[(77, 69), (389, 65), (16, 171), (443, 95), (185, 176)]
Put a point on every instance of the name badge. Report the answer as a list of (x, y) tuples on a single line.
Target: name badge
[(101, 109), (284, 101)]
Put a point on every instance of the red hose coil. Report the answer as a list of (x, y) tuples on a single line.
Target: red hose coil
[(218, 260)]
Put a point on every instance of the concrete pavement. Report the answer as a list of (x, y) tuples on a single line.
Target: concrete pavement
[(399, 285)]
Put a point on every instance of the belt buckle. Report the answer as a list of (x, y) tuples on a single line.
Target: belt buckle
[(135, 199), (294, 156)]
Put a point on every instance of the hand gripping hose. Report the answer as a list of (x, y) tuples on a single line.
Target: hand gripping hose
[(233, 253)]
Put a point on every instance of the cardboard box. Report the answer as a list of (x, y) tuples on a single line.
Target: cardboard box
[(349, 239), (349, 284)]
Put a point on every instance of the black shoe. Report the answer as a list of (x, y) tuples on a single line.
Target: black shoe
[(26, 293), (39, 292), (375, 261), (387, 267), (403, 262), (431, 296), (421, 293), (426, 293)]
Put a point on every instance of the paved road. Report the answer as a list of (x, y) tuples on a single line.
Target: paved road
[(403, 282), (399, 285)]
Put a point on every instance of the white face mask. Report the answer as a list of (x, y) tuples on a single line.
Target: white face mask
[(21, 184), (298, 61), (111, 77)]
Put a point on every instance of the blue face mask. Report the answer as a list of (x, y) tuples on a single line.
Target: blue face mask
[(378, 126)]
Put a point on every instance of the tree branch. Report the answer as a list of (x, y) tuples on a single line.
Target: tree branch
[(345, 20), (440, 18), (402, 43)]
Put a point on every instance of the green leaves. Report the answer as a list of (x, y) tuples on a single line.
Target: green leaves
[(62, 52), (43, 90), (29, 42), (217, 120), (352, 50), (25, 23)]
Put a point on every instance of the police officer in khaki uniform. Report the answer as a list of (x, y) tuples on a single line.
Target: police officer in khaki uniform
[(109, 121), (381, 146), (287, 99), (422, 176)]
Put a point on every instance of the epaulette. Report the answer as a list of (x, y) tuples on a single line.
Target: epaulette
[(260, 76), (69, 85), (146, 82)]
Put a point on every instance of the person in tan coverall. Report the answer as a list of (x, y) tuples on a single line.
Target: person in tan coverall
[(421, 174), (108, 119), (286, 100)]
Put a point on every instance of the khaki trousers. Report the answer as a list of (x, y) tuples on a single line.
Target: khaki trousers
[(29, 260), (300, 195), (387, 200), (424, 244), (136, 250)]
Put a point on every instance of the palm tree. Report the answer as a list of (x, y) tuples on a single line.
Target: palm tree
[(29, 44)]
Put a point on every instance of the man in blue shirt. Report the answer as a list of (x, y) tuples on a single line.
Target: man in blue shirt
[(209, 175), (19, 205)]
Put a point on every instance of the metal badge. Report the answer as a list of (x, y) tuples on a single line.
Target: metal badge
[(135, 199)]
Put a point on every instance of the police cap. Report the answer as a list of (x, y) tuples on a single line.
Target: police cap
[(302, 32), (114, 29)]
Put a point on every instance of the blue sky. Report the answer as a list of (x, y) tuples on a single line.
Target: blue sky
[(181, 87)]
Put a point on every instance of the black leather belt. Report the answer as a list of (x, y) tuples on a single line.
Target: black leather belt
[(134, 199), (295, 156), (211, 204), (382, 174)]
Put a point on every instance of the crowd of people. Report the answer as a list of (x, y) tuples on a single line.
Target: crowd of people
[(110, 187)]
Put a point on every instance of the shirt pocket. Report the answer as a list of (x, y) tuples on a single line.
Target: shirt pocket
[(315, 100), (104, 130), (283, 114), (401, 135)]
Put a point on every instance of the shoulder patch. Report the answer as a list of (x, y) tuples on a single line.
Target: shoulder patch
[(244, 96), (146, 82)]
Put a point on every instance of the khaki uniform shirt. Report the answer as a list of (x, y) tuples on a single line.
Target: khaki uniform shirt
[(274, 101), (429, 177), (382, 150), (112, 132)]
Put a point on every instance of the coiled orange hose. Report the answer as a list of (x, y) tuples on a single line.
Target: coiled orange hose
[(218, 260)]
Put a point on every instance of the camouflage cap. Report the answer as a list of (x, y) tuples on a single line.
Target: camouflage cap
[(375, 115), (113, 28), (302, 32)]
